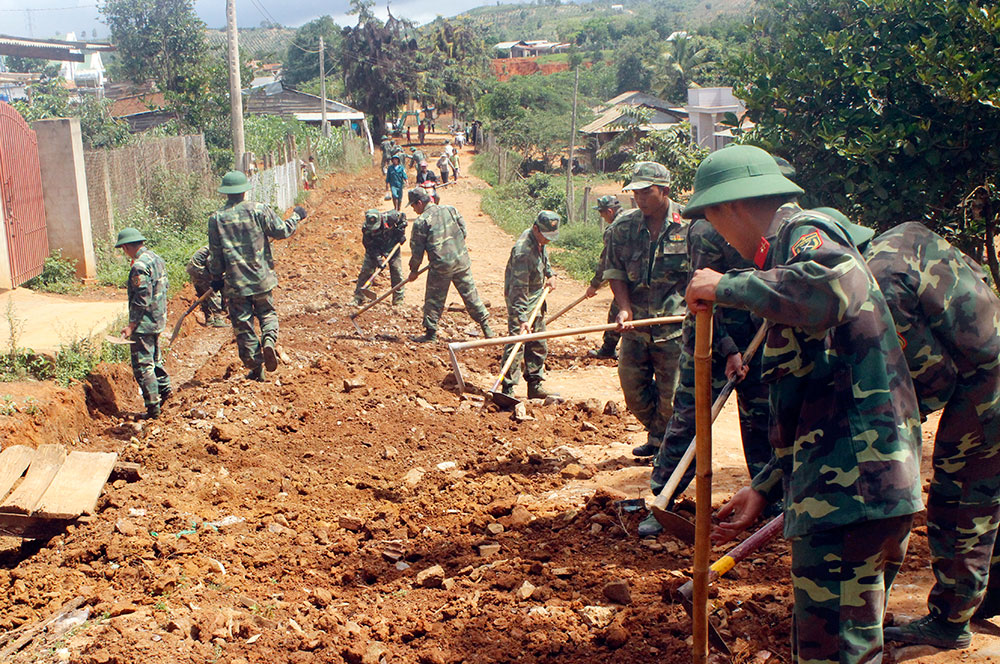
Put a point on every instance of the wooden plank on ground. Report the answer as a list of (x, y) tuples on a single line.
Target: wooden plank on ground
[(13, 462), (77, 486), (29, 527), (48, 459)]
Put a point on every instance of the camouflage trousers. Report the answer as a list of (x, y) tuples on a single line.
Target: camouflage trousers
[(841, 579), (212, 306), (531, 353), (368, 267), (147, 367), (438, 284), (612, 337), (242, 311), (754, 411), (647, 370), (963, 510)]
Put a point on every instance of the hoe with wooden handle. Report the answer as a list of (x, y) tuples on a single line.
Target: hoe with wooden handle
[(548, 321), (499, 398), (366, 287), (672, 522), (703, 483), (382, 297), (547, 334)]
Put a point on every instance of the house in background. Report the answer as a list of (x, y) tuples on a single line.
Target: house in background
[(613, 116), (142, 111), (529, 49), (706, 108), (279, 99), (87, 76)]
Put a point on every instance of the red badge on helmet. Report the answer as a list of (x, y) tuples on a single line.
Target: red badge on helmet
[(807, 242)]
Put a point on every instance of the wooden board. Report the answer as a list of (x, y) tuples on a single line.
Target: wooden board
[(13, 462), (48, 459), (29, 527), (77, 486)]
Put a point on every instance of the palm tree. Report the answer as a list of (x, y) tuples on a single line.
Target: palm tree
[(680, 59)]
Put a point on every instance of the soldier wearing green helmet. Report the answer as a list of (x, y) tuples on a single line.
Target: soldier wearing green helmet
[(528, 273), (647, 265), (241, 265), (380, 234), (844, 422), (609, 208), (147, 316)]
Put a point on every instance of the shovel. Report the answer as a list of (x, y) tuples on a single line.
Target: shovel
[(382, 297), (735, 555), (499, 398), (672, 522), (548, 321), (366, 287), (547, 334)]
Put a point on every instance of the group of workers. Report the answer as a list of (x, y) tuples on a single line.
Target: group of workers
[(864, 337), (394, 160)]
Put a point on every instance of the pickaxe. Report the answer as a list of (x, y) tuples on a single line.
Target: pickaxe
[(548, 334), (500, 398), (382, 297), (548, 321), (365, 287)]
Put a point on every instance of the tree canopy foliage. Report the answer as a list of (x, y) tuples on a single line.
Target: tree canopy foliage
[(302, 61), (454, 65), (888, 109)]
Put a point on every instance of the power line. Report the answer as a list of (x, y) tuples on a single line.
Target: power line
[(49, 9)]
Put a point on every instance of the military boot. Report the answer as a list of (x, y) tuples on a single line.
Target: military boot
[(989, 608), (217, 321), (650, 527), (605, 352), (152, 411), (428, 337), (487, 330), (358, 300), (270, 356), (257, 374), (647, 449), (536, 391), (165, 394), (931, 631)]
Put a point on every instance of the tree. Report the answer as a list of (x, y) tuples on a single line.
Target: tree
[(674, 68), (302, 61), (46, 68), (378, 63), (633, 74), (454, 65), (888, 109)]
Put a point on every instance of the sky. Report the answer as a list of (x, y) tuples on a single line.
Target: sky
[(47, 18)]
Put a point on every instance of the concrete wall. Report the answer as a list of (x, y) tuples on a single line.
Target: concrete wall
[(64, 190)]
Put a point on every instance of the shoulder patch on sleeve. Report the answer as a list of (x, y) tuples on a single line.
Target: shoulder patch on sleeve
[(137, 280), (807, 242)]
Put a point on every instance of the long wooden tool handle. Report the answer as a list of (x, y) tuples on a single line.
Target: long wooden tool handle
[(667, 492), (180, 321), (513, 351), (739, 553), (381, 267), (569, 306), (551, 334), (386, 294), (703, 477)]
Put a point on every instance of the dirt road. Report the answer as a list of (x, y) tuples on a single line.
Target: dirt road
[(356, 509)]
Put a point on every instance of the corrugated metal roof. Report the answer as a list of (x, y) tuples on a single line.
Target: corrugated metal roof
[(279, 99), (49, 49)]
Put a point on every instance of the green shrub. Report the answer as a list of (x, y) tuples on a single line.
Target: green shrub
[(58, 275)]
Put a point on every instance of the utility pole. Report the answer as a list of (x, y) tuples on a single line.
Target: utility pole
[(323, 126), (235, 87), (572, 145)]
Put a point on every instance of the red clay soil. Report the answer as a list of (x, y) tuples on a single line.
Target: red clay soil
[(337, 512)]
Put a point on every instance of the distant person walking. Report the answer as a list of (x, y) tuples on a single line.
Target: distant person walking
[(395, 178)]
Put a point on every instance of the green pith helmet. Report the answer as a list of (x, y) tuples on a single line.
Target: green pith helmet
[(372, 219), (647, 173), (785, 167), (735, 173), (418, 194), (234, 182), (128, 236), (859, 234), (606, 203), (548, 224)]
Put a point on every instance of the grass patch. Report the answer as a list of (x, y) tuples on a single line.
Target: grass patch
[(58, 275)]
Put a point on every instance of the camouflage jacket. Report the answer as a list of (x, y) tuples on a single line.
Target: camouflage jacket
[(197, 267), (598, 278), (656, 271), (147, 293), (946, 317), (380, 241), (238, 246), (732, 329), (523, 280), (844, 422), (440, 232), (417, 157)]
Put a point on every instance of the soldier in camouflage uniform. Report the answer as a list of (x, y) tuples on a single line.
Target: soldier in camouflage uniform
[(845, 426), (381, 232), (733, 329), (416, 156), (440, 232), (528, 273), (947, 318), (211, 307), (609, 208), (646, 262), (240, 262), (147, 316)]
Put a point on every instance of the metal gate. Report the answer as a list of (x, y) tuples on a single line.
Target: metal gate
[(21, 196)]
